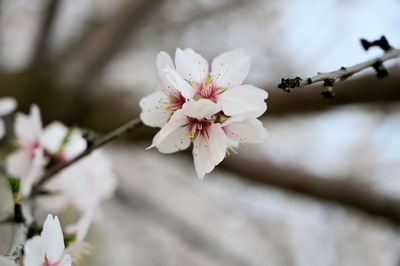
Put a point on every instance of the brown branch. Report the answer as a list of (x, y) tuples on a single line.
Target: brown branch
[(128, 127), (344, 191), (41, 46), (341, 74)]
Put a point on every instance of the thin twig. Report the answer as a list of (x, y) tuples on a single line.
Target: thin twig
[(340, 74), (128, 127)]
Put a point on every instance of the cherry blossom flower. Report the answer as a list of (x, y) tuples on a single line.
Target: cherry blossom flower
[(214, 110), (39, 148), (190, 80), (195, 122), (27, 161), (48, 248), (7, 105)]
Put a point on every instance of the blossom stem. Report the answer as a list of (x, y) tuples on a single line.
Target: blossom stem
[(128, 127)]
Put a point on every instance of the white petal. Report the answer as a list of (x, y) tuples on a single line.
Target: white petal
[(53, 239), (191, 65), (2, 129), (244, 99), (200, 109), (76, 145), (28, 127), (179, 83), (34, 252), (217, 143), (35, 171), (66, 261), (209, 151), (202, 163), (177, 120), (154, 109), (231, 68), (163, 60), (176, 141), (7, 105), (52, 136), (247, 131), (19, 163)]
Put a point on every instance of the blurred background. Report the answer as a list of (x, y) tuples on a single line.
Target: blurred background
[(88, 63)]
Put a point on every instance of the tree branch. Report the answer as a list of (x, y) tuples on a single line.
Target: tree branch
[(41, 46), (128, 127), (341, 74)]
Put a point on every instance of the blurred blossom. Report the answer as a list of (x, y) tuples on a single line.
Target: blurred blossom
[(83, 185), (211, 109), (39, 148), (48, 248)]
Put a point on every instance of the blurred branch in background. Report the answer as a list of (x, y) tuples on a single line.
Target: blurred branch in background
[(189, 233), (342, 191), (42, 43), (102, 43)]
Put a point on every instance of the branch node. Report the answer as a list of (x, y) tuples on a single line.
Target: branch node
[(328, 92), (288, 84), (381, 71)]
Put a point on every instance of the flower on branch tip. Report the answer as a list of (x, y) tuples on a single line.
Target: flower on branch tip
[(48, 249), (213, 110), (7, 105)]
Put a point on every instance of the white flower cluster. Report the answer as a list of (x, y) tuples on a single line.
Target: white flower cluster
[(214, 110), (83, 185)]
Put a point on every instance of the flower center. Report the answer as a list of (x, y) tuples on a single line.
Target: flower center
[(197, 126), (207, 89), (176, 100), (32, 148)]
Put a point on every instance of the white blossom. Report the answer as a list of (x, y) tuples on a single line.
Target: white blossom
[(190, 79), (48, 248), (195, 121), (38, 147), (214, 110)]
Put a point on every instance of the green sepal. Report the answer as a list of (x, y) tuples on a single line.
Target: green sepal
[(15, 185)]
